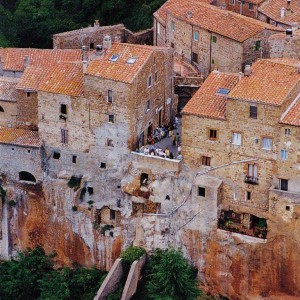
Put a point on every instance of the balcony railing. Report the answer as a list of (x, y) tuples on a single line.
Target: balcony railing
[(251, 180)]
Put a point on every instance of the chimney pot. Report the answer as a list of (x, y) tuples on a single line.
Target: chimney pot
[(248, 70), (189, 14)]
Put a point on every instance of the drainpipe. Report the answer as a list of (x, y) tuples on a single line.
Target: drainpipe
[(210, 45)]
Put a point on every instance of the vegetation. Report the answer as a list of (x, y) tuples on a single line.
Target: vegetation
[(74, 182), (32, 276), (131, 254), (12, 203), (2, 193), (31, 23)]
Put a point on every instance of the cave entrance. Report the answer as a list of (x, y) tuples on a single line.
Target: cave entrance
[(26, 176)]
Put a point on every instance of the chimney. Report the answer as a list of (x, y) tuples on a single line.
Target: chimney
[(99, 50), (106, 43), (289, 32), (282, 12), (248, 70), (189, 14), (26, 61), (84, 65), (96, 24), (240, 75), (84, 53)]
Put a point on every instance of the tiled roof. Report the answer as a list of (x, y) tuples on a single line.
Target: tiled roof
[(120, 70), (20, 137), (207, 102), (270, 82), (216, 20), (31, 78), (13, 58), (272, 9), (8, 90), (65, 78), (292, 115)]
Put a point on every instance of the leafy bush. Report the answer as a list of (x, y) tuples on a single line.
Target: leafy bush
[(132, 253), (74, 182), (12, 203), (90, 202)]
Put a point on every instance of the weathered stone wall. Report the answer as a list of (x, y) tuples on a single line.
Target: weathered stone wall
[(9, 116), (240, 8), (144, 37), (159, 33)]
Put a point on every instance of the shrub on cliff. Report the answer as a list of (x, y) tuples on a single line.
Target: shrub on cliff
[(131, 254)]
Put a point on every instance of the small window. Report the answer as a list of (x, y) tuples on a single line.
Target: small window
[(149, 81), (103, 165), (287, 131), (114, 57), (223, 91), (112, 215), (28, 150), (214, 39), (56, 155), (251, 6), (201, 191), (74, 159), (253, 112), (248, 195), (64, 136), (173, 26), (111, 118), (283, 154), (63, 109), (109, 143), (28, 94), (212, 134), (1, 109), (212, 61), (131, 60), (236, 139), (155, 76), (287, 208), (196, 36), (172, 45), (158, 28), (267, 143), (91, 45), (90, 190), (147, 105), (13, 149), (283, 184), (206, 160), (257, 45), (195, 57), (235, 196), (144, 179), (109, 96)]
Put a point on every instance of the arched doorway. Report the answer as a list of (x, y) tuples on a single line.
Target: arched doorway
[(26, 176)]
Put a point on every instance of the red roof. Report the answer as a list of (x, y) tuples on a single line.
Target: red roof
[(292, 114)]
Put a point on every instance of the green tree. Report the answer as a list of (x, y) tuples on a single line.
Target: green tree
[(171, 277)]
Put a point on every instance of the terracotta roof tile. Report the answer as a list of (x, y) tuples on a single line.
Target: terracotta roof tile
[(13, 58), (120, 70), (272, 9), (270, 82), (216, 20), (8, 90), (207, 102), (65, 78), (19, 137), (292, 114), (31, 78)]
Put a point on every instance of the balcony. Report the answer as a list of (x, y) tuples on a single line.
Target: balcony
[(251, 180)]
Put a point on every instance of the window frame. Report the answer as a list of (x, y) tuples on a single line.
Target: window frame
[(253, 114), (214, 39), (287, 131), (64, 135), (63, 109), (201, 191), (285, 152), (212, 134), (205, 160), (148, 105), (173, 25), (196, 36), (110, 96), (111, 118), (149, 81), (262, 142), (283, 184), (232, 138), (195, 55), (257, 45)]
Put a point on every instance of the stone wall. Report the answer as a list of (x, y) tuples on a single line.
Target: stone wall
[(27, 109), (159, 33), (144, 37), (9, 116), (240, 7)]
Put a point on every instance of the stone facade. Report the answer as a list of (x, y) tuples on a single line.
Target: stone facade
[(246, 8)]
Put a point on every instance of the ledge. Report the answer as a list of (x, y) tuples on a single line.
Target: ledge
[(245, 238)]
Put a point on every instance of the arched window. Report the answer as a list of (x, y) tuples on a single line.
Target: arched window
[(26, 176), (1, 109)]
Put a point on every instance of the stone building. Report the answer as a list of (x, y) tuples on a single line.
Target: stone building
[(281, 13), (92, 36), (233, 118), (209, 37)]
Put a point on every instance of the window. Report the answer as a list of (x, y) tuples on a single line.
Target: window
[(155, 76), (112, 215), (257, 45), (287, 208), (250, 6), (223, 91), (13, 149), (144, 179), (287, 131), (206, 160), (149, 81), (114, 57), (111, 118), (196, 36), (235, 196), (109, 143), (147, 105), (91, 45), (214, 39), (267, 143), (28, 94), (195, 57), (131, 60), (109, 96), (158, 28), (173, 26), (212, 134), (64, 136), (74, 159), (248, 195), (103, 165), (212, 61), (90, 190), (232, 2), (201, 191), (28, 150), (1, 109), (283, 154), (253, 112), (236, 139), (63, 109), (56, 155), (252, 177), (172, 45), (283, 184)]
